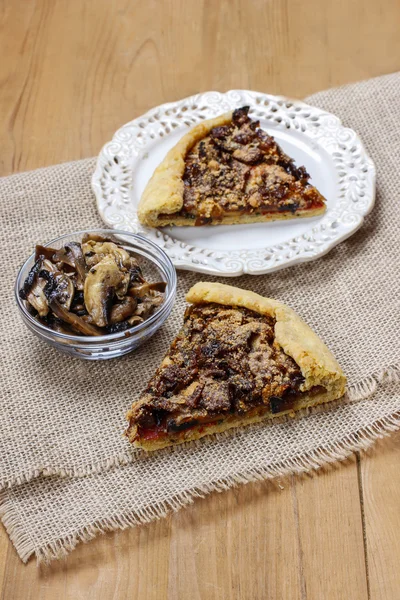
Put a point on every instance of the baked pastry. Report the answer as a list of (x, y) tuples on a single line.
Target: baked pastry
[(238, 359), (227, 171)]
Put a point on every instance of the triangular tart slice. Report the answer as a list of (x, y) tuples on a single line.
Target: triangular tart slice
[(228, 171), (239, 358)]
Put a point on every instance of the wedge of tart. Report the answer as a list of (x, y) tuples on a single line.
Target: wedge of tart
[(238, 359), (228, 171)]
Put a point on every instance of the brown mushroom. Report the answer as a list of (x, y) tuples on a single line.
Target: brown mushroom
[(122, 310), (140, 291), (135, 320), (72, 256), (146, 308), (95, 251), (57, 284), (42, 280), (101, 284), (37, 298), (45, 252), (75, 250), (73, 320)]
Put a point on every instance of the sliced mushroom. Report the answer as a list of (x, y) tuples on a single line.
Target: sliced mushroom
[(33, 288), (121, 311), (79, 263), (62, 257), (31, 278), (140, 291), (95, 251), (95, 237), (45, 252), (135, 320), (73, 320), (37, 298), (72, 256), (146, 308), (57, 284), (101, 284)]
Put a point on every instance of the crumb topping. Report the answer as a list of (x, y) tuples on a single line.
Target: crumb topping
[(240, 168), (224, 361)]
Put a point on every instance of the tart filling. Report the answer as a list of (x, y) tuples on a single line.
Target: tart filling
[(228, 171)]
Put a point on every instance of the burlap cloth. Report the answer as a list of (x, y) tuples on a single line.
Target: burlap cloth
[(64, 417)]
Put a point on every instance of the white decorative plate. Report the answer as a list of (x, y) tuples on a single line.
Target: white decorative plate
[(333, 155)]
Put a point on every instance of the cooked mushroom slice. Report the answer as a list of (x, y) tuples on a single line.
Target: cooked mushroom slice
[(31, 278), (101, 284), (57, 284), (75, 250), (96, 237), (121, 311), (72, 256), (94, 252), (135, 320), (65, 290), (73, 320), (37, 298), (140, 291), (33, 289), (135, 273), (45, 252), (61, 257)]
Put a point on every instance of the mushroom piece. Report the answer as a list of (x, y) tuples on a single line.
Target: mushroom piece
[(31, 278), (73, 320), (148, 305), (72, 256), (101, 285), (75, 250), (95, 251), (45, 252), (56, 284), (121, 311), (36, 286), (96, 237), (140, 291)]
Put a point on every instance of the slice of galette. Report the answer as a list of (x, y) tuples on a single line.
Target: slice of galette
[(228, 171), (238, 359)]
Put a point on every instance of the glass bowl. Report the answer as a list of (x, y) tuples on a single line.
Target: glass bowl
[(156, 266)]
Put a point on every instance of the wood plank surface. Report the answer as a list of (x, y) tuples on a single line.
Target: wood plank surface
[(73, 71), (380, 482)]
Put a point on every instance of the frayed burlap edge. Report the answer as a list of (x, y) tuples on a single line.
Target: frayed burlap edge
[(360, 391), (359, 440)]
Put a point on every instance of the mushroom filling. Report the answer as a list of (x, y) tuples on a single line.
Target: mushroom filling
[(91, 288)]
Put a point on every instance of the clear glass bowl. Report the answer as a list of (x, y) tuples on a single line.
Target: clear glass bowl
[(156, 265)]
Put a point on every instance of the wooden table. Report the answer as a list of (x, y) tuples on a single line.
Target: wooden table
[(71, 72)]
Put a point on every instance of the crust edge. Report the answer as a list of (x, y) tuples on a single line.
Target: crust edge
[(164, 192), (243, 219)]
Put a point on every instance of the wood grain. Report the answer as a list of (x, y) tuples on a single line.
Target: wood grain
[(381, 506), (71, 72)]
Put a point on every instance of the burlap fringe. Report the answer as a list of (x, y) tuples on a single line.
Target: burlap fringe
[(312, 461)]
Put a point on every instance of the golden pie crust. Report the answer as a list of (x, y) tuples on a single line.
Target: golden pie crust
[(322, 378)]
